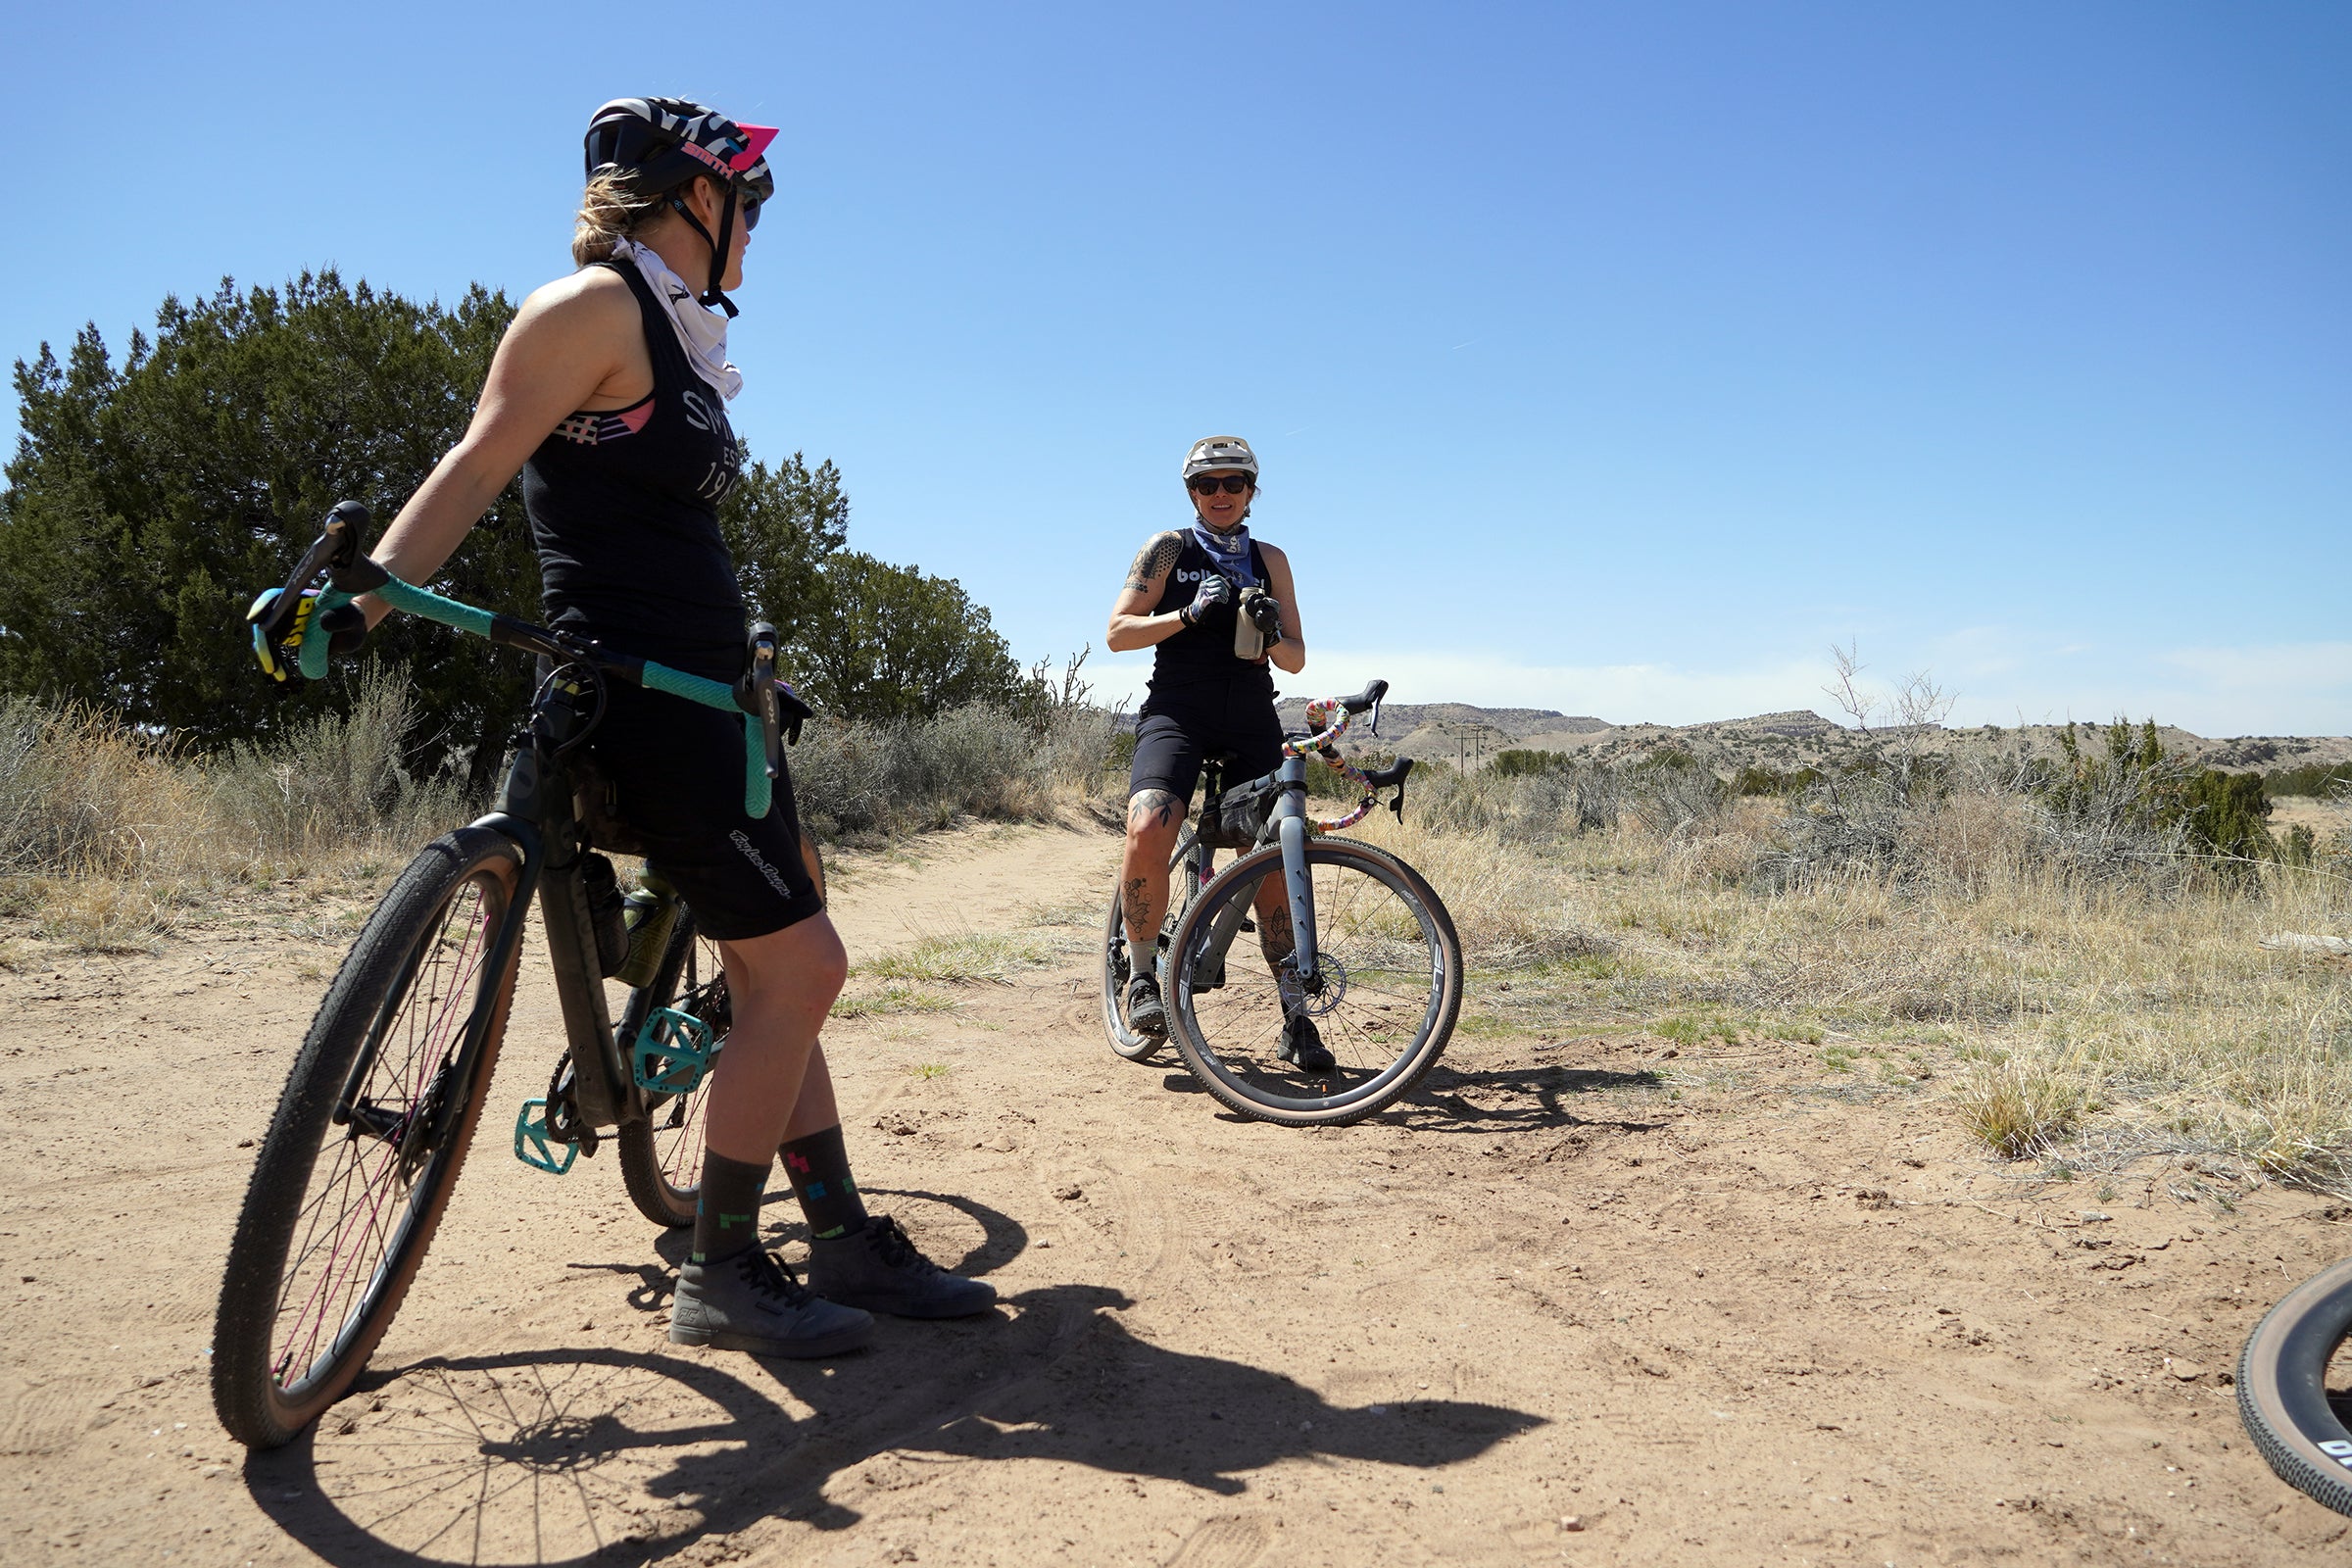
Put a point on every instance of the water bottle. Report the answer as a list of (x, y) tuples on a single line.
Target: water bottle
[(649, 913)]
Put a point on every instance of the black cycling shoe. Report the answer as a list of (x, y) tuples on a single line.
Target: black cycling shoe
[(1303, 1045), (1146, 1014), (752, 1303), (879, 1268)]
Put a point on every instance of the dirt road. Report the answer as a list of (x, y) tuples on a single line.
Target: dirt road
[(1592, 1300)]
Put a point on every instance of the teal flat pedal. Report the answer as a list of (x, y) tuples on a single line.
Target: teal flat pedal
[(534, 1148), (672, 1053)]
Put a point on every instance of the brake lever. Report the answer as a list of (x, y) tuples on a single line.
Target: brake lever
[(336, 553), (762, 679)]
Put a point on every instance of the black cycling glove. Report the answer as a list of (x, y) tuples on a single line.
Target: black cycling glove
[(346, 628), (1215, 593), (1266, 613)]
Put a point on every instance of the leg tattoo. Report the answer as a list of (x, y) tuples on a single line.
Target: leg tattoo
[(1275, 938), (1138, 908), (1153, 809)]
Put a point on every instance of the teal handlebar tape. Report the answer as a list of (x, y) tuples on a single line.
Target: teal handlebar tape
[(694, 688), (758, 790), (755, 786), (433, 607)]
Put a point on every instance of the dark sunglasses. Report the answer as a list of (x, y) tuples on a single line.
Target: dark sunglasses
[(751, 214), (1208, 484)]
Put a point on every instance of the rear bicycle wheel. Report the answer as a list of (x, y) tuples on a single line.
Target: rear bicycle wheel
[(350, 1182), (1184, 885), (2294, 1388), (662, 1156), (1390, 986)]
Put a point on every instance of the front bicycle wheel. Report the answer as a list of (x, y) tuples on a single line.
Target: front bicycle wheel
[(1184, 885), (352, 1178), (2294, 1388), (1388, 986), (662, 1156)]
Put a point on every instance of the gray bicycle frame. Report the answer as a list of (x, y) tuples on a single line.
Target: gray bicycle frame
[(1289, 823)]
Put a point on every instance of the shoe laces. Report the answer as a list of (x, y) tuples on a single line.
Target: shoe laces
[(897, 1248), (769, 1275)]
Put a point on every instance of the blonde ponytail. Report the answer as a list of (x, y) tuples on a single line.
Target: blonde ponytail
[(610, 210)]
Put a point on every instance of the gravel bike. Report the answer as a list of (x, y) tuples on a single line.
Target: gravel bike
[(1373, 958), (2302, 1427), (388, 1087)]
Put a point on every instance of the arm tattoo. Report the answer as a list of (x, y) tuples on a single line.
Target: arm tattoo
[(1158, 554)]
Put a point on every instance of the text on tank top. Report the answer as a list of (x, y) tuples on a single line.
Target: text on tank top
[(623, 505), (1202, 654)]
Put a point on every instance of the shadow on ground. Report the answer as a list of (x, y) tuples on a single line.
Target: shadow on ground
[(564, 1456)]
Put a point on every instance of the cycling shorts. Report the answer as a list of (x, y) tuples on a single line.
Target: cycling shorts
[(677, 774), (1171, 741)]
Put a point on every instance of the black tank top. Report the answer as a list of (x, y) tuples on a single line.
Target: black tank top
[(1198, 661), (623, 506)]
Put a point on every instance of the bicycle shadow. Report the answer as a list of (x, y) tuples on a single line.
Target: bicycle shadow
[(1531, 1098), (1535, 1098), (566, 1455)]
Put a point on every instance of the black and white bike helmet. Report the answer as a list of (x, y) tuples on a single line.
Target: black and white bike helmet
[(661, 144), (1217, 453)]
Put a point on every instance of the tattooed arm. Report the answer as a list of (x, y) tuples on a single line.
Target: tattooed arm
[(1290, 654), (1133, 625)]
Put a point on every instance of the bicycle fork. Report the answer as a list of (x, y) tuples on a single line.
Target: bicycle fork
[(1291, 833)]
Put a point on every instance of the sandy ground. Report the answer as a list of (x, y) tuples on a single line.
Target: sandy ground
[(1580, 1300)]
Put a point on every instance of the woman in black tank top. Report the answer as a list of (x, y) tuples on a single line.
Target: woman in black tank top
[(609, 392), (1183, 599)]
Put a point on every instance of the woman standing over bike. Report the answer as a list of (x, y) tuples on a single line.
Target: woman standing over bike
[(609, 394), (1218, 608)]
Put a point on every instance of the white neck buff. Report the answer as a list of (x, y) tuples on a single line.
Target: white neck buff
[(701, 334)]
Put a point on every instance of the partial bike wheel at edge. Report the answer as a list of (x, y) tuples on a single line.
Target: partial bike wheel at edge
[(1388, 986), (2303, 1426), (351, 1181), (1184, 881), (662, 1156)]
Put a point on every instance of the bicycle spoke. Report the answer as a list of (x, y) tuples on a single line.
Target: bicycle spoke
[(354, 1221)]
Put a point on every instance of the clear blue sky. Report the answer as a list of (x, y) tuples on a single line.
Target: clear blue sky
[(1613, 359)]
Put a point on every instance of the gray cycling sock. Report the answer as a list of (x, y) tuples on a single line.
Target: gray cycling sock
[(726, 1209), (818, 1167)]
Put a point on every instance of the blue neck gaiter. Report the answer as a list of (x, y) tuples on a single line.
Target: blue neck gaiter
[(1227, 552)]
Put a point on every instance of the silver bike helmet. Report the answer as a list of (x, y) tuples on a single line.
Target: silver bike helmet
[(1220, 452)]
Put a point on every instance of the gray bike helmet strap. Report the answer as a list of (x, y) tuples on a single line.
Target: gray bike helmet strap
[(718, 247)]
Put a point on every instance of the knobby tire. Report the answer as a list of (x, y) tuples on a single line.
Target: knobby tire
[(317, 1267), (2282, 1394), (1184, 878)]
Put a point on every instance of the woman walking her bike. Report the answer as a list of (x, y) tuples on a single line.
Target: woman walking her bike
[(1218, 608), (609, 394)]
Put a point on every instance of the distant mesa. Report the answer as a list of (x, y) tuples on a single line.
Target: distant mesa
[(1788, 740)]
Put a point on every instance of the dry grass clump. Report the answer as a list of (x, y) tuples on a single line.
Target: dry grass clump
[(107, 834), (2022, 1108), (852, 778)]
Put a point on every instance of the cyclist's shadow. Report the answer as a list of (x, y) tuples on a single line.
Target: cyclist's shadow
[(559, 1455)]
